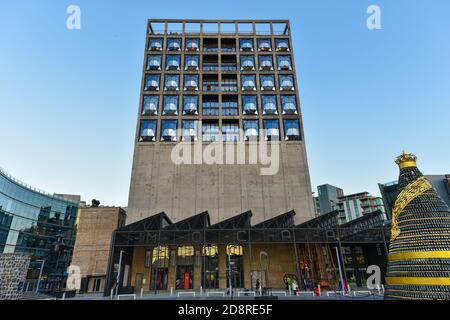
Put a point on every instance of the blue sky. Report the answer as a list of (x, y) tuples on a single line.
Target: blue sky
[(69, 99)]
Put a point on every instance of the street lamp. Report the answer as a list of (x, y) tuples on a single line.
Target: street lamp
[(59, 246)]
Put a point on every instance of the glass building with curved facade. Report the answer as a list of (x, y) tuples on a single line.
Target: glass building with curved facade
[(41, 224)]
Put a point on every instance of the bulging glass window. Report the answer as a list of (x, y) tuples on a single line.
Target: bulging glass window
[(192, 44), (173, 44), (190, 105), (291, 129), (170, 105), (251, 129), (269, 104), (191, 82), (247, 62), (152, 82), (191, 62), (289, 104), (169, 130), (248, 82), (265, 62), (267, 82), (150, 105), (189, 132), (173, 62), (172, 82), (155, 44), (264, 45), (286, 82), (284, 62), (249, 104), (154, 62), (271, 129), (148, 130), (282, 44), (246, 44)]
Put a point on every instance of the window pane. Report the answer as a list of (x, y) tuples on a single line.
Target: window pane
[(173, 62), (172, 82), (170, 106), (251, 129), (282, 44), (151, 82), (269, 104), (291, 130), (191, 62), (230, 132), (191, 82), (192, 44), (247, 63), (168, 130), (150, 105), (148, 130), (249, 105), (210, 131), (155, 44), (284, 63), (248, 82), (190, 105), (190, 128), (174, 44), (265, 62), (154, 62), (246, 44), (289, 104), (267, 82), (286, 82), (271, 129), (264, 45)]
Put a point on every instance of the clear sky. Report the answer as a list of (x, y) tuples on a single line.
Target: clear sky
[(69, 99)]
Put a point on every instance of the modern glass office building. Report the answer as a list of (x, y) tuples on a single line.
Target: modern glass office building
[(40, 224)]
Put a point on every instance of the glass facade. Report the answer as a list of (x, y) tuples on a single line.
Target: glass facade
[(39, 224)]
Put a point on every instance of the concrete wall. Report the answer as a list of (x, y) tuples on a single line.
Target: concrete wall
[(13, 271), (93, 241), (158, 185)]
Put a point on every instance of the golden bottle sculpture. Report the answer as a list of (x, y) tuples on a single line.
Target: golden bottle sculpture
[(419, 251)]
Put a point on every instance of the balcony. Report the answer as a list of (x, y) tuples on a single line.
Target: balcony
[(210, 67), (210, 108), (228, 67), (229, 86), (211, 86)]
